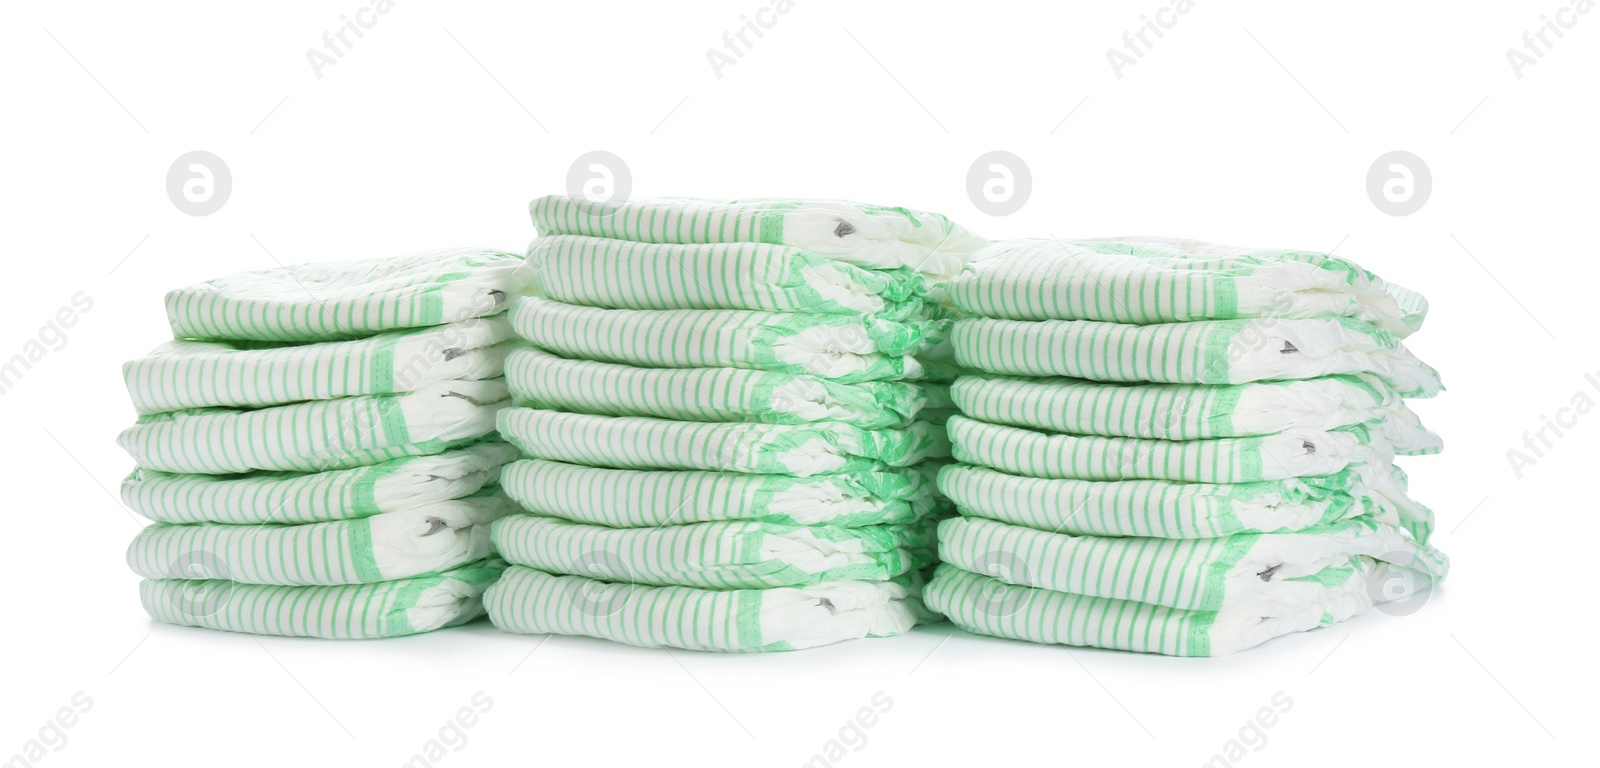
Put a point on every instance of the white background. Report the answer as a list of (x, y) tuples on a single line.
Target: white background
[(1247, 123)]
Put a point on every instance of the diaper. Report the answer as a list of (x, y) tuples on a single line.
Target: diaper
[(628, 442), (1158, 280), (244, 374), (349, 299), (408, 482), (318, 435), (382, 547), (1193, 411), (988, 606), (1191, 574), (346, 612), (721, 555), (538, 378), (846, 348), (1293, 453), (597, 272), (529, 601), (1202, 352), (868, 236), (626, 498), (1166, 509)]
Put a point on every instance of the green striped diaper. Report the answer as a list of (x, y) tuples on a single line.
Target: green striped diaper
[(847, 348), (1202, 352), (1293, 453), (722, 555), (1264, 569), (529, 601), (383, 547), (1191, 411), (349, 299), (869, 236), (627, 498), (540, 379), (345, 494), (1161, 508), (619, 274), (346, 612), (317, 435), (988, 606), (630, 442), (1158, 280), (245, 374)]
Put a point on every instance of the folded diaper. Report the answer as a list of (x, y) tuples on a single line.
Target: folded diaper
[(382, 547), (318, 435), (1162, 508), (722, 555), (349, 299), (1191, 574), (626, 498), (629, 442), (847, 348), (1161, 280), (619, 274), (1293, 453), (538, 378), (868, 236), (530, 601), (988, 606), (346, 612), (409, 482), (1202, 352), (1192, 411), (244, 374)]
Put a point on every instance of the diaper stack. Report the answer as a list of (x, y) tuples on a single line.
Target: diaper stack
[(1179, 448), (726, 411), (317, 446)]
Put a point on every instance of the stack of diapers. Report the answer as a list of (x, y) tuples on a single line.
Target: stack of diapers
[(730, 415), (1175, 447), (317, 446)]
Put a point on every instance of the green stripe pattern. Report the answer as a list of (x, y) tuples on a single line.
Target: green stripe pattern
[(530, 601), (844, 348), (317, 435), (1142, 282), (345, 612), (1202, 352), (350, 299), (598, 272), (317, 447), (180, 375), (867, 236), (542, 380), (729, 430), (1173, 447)]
